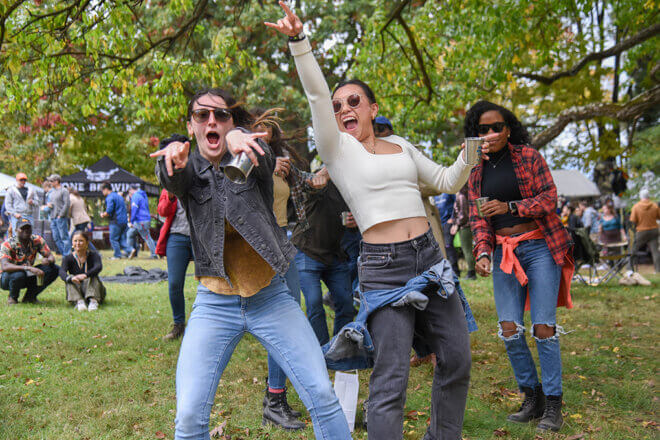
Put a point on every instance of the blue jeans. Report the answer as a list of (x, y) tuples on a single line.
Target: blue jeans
[(179, 253), (276, 376), (15, 281), (217, 324), (350, 243), (338, 279), (118, 239), (544, 276), (60, 229), (141, 228)]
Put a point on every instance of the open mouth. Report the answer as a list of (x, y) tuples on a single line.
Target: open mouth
[(213, 138), (350, 123)]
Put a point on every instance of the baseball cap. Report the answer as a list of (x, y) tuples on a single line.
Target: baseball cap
[(383, 121), (23, 222), (55, 177), (20, 176)]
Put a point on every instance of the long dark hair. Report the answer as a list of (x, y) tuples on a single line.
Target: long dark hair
[(277, 141), (241, 117), (519, 135)]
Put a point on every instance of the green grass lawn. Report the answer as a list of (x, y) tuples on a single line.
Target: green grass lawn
[(66, 374)]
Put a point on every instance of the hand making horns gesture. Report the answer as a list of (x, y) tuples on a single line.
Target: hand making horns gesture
[(176, 156), (289, 25)]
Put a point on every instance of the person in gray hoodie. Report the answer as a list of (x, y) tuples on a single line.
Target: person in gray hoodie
[(19, 201), (59, 217)]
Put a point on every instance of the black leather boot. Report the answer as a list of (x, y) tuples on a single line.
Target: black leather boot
[(532, 407), (552, 418), (294, 413), (277, 412)]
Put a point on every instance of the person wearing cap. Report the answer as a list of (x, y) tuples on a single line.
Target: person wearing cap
[(59, 216), (140, 220), (383, 127), (17, 257), (19, 200)]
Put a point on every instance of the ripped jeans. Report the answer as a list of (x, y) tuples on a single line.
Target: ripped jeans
[(544, 276)]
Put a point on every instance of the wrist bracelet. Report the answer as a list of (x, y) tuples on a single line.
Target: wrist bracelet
[(299, 37)]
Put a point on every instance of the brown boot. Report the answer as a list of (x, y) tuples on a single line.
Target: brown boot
[(176, 332)]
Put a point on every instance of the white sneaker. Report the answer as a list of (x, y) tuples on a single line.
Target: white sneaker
[(627, 281), (640, 279), (93, 305), (81, 305)]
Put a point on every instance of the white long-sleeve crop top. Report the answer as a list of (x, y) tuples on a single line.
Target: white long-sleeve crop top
[(376, 187)]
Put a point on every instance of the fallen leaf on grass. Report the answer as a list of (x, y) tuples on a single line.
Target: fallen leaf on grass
[(576, 437), (160, 434), (576, 416), (500, 432), (412, 415), (218, 430)]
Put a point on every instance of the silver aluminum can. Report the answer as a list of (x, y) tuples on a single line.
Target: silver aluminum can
[(473, 149), (480, 201), (344, 217), (239, 168)]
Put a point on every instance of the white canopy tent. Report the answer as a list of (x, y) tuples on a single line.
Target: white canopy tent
[(572, 184)]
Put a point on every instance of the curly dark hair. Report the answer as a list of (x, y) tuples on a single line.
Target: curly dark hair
[(241, 117), (519, 135)]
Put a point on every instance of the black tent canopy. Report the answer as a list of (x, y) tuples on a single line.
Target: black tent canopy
[(88, 181)]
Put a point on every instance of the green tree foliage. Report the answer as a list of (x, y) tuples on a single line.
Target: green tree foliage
[(81, 78)]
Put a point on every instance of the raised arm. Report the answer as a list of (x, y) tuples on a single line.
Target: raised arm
[(326, 132)]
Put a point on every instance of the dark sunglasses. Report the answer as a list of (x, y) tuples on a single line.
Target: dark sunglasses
[(202, 115), (353, 101), (496, 126)]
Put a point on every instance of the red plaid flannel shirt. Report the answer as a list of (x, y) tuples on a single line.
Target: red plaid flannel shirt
[(539, 203)]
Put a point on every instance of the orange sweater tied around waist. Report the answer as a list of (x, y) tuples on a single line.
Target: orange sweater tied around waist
[(510, 263)]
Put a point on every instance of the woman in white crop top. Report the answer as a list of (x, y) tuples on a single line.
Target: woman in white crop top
[(378, 178)]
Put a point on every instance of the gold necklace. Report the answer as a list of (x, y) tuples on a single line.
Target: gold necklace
[(372, 148)]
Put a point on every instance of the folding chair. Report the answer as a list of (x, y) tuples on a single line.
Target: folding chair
[(586, 252)]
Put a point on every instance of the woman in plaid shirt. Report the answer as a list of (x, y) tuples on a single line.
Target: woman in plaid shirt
[(519, 231)]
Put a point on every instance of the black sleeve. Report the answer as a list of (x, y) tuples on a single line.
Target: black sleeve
[(66, 266), (181, 180), (94, 264)]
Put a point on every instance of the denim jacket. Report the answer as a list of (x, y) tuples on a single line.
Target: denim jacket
[(209, 199), (352, 348)]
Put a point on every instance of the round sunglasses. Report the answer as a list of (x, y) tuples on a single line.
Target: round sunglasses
[(353, 101), (202, 115)]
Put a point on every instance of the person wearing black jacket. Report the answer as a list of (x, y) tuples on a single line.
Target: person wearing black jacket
[(241, 255), (80, 272), (322, 258)]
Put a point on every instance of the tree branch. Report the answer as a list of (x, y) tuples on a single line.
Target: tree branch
[(396, 15), (4, 18), (636, 39), (621, 112)]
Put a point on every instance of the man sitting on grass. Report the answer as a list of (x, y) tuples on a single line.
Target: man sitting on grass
[(17, 256)]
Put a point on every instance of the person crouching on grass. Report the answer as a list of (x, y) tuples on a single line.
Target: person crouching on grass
[(241, 255)]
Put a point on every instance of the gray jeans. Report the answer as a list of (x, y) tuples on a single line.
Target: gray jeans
[(650, 238), (443, 327)]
